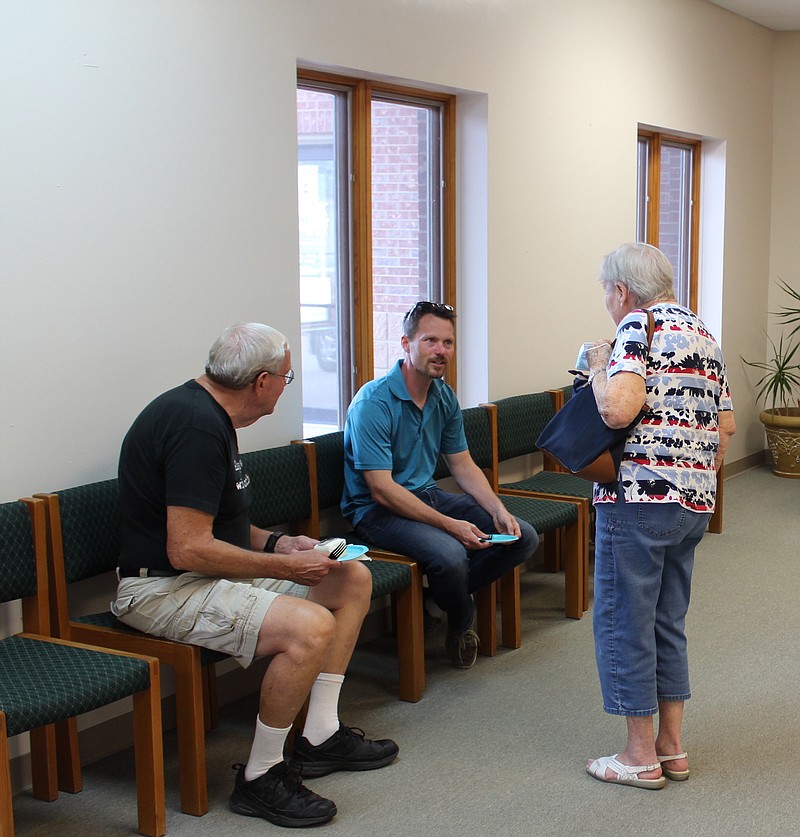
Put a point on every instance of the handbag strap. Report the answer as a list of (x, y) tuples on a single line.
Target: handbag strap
[(651, 327)]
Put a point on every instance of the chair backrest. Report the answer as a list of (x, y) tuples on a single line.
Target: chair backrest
[(478, 431), (329, 452), (279, 485), (520, 420), (23, 561), (85, 526)]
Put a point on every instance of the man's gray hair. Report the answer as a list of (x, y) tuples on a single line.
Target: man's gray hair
[(643, 269), (244, 351)]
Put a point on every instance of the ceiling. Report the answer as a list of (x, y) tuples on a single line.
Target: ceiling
[(774, 14)]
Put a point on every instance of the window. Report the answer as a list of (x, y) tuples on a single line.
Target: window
[(375, 195), (667, 206)]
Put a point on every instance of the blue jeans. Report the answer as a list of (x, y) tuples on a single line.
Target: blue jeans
[(644, 556), (453, 571)]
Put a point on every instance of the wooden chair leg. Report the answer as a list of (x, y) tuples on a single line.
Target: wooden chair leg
[(44, 766), (511, 611), (6, 800), (410, 639), (68, 757), (486, 604), (210, 700), (587, 534), (552, 551), (575, 563), (191, 733), (715, 524), (149, 756)]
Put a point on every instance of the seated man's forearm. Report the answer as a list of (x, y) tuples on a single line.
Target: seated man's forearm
[(403, 503)]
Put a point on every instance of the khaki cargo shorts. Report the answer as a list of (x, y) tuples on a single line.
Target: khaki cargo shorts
[(218, 613)]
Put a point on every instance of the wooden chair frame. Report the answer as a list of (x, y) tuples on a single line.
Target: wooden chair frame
[(570, 546), (148, 746), (195, 686)]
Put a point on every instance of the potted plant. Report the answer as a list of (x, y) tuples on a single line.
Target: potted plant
[(779, 389)]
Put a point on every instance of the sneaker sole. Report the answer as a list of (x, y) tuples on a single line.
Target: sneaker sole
[(315, 769), (278, 819)]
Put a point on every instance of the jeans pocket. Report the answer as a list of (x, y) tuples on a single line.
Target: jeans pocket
[(661, 519)]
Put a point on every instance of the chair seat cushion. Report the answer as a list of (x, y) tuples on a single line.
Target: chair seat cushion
[(388, 577), (553, 482), (108, 620), (543, 515), (43, 682)]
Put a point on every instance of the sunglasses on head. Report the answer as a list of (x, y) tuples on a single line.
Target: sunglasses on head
[(426, 307)]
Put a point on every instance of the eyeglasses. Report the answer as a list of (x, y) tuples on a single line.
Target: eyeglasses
[(288, 377), (426, 307)]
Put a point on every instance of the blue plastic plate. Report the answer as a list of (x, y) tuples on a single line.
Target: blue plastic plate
[(502, 538), (354, 551)]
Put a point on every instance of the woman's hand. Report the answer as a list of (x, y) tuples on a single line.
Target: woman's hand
[(597, 356)]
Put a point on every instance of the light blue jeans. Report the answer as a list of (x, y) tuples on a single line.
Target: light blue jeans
[(644, 556), (453, 571)]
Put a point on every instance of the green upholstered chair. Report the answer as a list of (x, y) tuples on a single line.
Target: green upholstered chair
[(84, 540), (392, 574), (517, 421), (46, 681), (563, 517)]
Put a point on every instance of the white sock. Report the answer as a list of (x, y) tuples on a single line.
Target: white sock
[(433, 608), (322, 720), (267, 750)]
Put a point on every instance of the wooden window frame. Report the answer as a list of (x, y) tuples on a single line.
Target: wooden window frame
[(655, 141), (362, 92)]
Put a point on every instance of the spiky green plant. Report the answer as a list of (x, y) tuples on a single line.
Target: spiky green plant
[(789, 315), (781, 378)]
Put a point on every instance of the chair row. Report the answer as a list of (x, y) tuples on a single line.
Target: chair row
[(296, 486)]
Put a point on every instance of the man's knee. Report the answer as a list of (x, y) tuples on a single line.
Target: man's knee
[(357, 580), (302, 629), (448, 560)]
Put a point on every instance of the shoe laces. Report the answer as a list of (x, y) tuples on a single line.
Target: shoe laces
[(468, 637), (292, 776), (355, 732)]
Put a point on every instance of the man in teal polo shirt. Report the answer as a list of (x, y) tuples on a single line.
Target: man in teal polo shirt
[(396, 428)]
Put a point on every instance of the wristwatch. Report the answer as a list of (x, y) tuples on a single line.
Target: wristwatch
[(269, 546)]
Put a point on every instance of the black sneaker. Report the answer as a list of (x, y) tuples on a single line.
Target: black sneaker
[(346, 749), (462, 648), (280, 798)]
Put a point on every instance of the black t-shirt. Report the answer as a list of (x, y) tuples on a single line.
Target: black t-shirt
[(180, 451)]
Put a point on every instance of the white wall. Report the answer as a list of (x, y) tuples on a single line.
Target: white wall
[(785, 226), (149, 194)]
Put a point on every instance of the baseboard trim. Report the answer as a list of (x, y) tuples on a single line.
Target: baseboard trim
[(747, 463)]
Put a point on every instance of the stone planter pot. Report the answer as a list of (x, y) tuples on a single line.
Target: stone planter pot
[(783, 438)]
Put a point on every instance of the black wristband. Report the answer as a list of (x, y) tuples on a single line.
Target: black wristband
[(269, 546)]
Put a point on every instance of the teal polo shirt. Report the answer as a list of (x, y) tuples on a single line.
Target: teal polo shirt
[(386, 431)]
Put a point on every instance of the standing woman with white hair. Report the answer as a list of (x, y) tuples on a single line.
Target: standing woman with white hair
[(651, 519)]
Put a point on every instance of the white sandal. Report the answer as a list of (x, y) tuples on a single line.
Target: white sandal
[(675, 775), (627, 774)]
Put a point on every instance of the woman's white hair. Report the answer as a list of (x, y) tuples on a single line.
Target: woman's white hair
[(242, 352), (643, 269)]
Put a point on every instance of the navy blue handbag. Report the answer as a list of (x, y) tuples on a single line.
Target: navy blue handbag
[(579, 439)]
